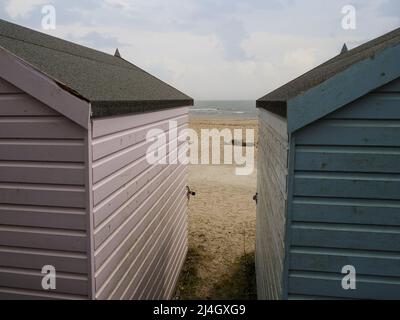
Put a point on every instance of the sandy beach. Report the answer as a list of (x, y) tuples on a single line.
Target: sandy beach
[(221, 224)]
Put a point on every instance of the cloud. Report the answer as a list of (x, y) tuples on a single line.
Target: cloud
[(219, 49), (21, 8)]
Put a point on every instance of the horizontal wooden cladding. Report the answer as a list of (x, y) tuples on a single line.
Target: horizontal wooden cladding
[(107, 126), (39, 127), (361, 237), (160, 244), (132, 176), (118, 226), (24, 258), (42, 195), (115, 279), (23, 105), (32, 280), (272, 172), (24, 294), (348, 159), (333, 260), (328, 284), (6, 87), (354, 211), (117, 161), (113, 143), (43, 217), (47, 173), (351, 133), (40, 238), (155, 184), (166, 263), (373, 106), (347, 185), (42, 150)]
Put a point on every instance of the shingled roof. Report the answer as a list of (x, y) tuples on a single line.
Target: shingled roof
[(111, 84), (276, 101)]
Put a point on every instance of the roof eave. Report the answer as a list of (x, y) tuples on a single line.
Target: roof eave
[(277, 107), (101, 109), (332, 94)]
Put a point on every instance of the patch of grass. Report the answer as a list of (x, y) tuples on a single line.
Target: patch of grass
[(240, 284), (189, 279)]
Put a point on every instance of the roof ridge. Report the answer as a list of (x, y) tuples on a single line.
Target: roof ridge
[(67, 52)]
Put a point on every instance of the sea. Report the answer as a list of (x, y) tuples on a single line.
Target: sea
[(224, 109)]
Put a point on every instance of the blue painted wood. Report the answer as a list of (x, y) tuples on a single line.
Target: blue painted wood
[(378, 106), (392, 87), (345, 236), (348, 159), (363, 186), (353, 211), (330, 285), (351, 133), (333, 260), (289, 216), (362, 78)]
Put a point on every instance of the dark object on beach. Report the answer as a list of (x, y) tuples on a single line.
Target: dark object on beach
[(242, 143), (255, 197), (328, 179), (190, 192)]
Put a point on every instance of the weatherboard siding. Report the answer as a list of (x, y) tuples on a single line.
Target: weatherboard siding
[(42, 199), (346, 204), (271, 207), (139, 209)]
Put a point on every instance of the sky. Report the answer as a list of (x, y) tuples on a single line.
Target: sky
[(214, 49)]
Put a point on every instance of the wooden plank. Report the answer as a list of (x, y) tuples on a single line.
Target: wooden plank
[(334, 93), (392, 87), (372, 106), (354, 211), (338, 185), (346, 236), (122, 185), (46, 90), (116, 279), (36, 259), (275, 122), (149, 264), (117, 161), (32, 280), (45, 173), (161, 268), (333, 260), (23, 294), (61, 240), (130, 215), (106, 126), (46, 150), (331, 285), (348, 159), (113, 143), (351, 133), (6, 87), (42, 195), (43, 217), (38, 128), (23, 105)]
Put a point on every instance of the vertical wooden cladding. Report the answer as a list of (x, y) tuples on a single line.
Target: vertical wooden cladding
[(139, 209), (271, 208), (42, 199), (346, 208)]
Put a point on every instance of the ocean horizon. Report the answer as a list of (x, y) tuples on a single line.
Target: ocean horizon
[(224, 109)]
